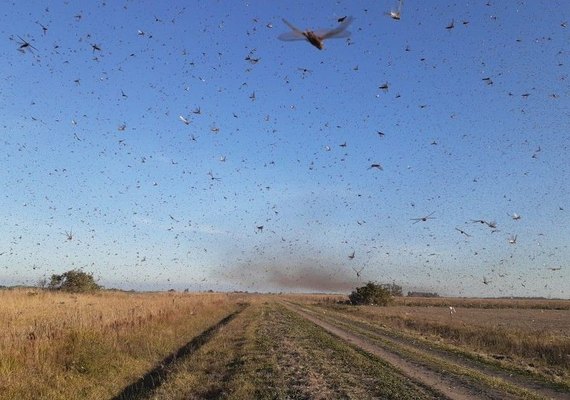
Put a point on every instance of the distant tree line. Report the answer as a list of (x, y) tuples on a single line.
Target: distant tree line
[(392, 288), (423, 294)]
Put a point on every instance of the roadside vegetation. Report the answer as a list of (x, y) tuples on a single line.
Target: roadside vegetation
[(485, 303), (372, 294), (59, 345), (523, 337), (92, 345), (270, 352)]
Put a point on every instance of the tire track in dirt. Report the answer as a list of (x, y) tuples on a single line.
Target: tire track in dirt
[(448, 385), (313, 364), (144, 387), (532, 384)]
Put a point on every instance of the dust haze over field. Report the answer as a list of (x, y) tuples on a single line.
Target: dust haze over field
[(311, 278), (296, 276)]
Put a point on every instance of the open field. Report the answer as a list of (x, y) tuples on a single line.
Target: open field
[(62, 346), (207, 346)]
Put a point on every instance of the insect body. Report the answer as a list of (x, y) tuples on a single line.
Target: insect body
[(316, 38), (25, 45), (377, 166), (397, 13), (358, 271), (423, 219)]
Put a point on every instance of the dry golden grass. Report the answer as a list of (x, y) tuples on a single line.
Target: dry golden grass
[(61, 346), (269, 352), (463, 302), (524, 334), (466, 302), (91, 346), (211, 372), (314, 298)]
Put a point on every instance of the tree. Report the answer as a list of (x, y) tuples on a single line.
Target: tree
[(42, 283), (74, 281), (395, 290), (371, 294)]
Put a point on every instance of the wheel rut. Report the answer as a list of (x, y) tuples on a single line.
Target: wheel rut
[(451, 384), (149, 382)]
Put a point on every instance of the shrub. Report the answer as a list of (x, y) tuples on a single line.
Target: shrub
[(371, 294), (73, 281), (393, 289)]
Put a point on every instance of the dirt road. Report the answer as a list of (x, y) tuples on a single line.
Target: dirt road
[(451, 375), (276, 349)]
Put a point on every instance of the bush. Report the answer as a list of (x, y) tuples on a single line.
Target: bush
[(74, 281), (371, 294), (395, 290)]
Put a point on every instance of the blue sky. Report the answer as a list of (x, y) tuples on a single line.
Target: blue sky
[(475, 124)]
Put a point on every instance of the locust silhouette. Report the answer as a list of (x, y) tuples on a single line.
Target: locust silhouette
[(316, 38)]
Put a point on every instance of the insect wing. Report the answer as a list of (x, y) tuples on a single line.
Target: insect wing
[(293, 27), (338, 32), (290, 36), (296, 33), (326, 34)]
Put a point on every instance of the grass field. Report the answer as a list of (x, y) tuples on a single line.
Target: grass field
[(535, 337), (206, 346), (63, 346)]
